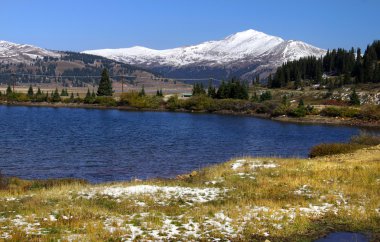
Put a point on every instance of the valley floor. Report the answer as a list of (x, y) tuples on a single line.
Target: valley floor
[(249, 198)]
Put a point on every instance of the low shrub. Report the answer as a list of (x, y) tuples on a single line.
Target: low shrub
[(298, 112), (105, 101), (365, 139), (137, 100), (340, 112), (200, 103), (370, 112), (267, 107), (334, 102), (333, 149), (237, 105), (174, 103)]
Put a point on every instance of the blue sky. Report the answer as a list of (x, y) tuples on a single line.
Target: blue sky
[(94, 24)]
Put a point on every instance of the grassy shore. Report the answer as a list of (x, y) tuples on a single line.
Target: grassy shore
[(249, 198)]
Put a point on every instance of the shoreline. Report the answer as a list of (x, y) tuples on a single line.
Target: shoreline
[(229, 194), (309, 119)]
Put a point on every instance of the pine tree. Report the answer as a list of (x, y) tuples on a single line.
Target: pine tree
[(38, 92), (9, 90), (198, 89), (301, 103), (354, 98), (142, 92), (211, 91), (30, 91), (88, 97), (265, 96), (55, 96), (105, 84)]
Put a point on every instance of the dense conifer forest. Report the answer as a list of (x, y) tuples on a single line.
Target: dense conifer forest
[(337, 68)]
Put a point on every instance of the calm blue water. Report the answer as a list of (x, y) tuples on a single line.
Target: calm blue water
[(109, 145)]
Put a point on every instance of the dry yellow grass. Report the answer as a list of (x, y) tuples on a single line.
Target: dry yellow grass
[(244, 199)]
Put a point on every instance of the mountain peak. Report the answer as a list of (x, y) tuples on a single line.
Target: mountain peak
[(17, 53), (251, 34)]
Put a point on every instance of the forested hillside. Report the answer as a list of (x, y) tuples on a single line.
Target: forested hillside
[(337, 68)]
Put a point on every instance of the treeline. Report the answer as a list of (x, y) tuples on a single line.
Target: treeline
[(345, 66), (232, 89)]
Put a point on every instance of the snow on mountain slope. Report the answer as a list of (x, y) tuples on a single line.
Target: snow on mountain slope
[(241, 45), (245, 54), (17, 53)]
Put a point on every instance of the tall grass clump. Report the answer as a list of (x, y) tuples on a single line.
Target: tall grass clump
[(333, 149), (3, 181), (356, 142), (366, 139)]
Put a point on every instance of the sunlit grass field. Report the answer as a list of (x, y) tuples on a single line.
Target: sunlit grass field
[(247, 198)]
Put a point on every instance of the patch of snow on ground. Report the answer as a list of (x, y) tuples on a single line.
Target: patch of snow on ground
[(304, 191), (161, 193), (237, 164)]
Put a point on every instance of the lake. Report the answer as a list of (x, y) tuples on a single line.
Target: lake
[(113, 145)]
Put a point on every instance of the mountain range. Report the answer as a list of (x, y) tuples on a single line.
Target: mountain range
[(21, 63), (244, 54)]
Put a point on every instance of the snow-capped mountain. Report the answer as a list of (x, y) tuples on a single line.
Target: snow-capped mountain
[(246, 54), (20, 53)]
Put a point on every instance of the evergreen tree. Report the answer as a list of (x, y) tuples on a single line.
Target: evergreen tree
[(105, 84), (267, 95), (211, 91), (142, 92), (88, 97), (93, 95), (72, 96), (38, 92), (301, 103), (198, 89), (354, 98), (55, 96), (9, 90), (30, 91), (159, 93)]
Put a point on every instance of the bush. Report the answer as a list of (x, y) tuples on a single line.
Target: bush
[(333, 149), (174, 103), (365, 139), (136, 100), (200, 103), (267, 107), (234, 105), (298, 112), (340, 112), (370, 112), (105, 101)]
